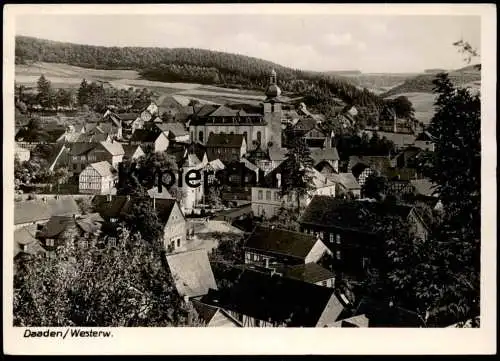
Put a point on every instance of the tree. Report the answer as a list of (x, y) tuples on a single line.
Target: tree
[(128, 286), (45, 93), (374, 187), (296, 176), (403, 107), (83, 93)]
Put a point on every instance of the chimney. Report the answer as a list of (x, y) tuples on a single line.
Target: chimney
[(278, 178), (154, 202), (186, 299)]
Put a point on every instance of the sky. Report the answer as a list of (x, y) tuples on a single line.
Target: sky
[(370, 43)]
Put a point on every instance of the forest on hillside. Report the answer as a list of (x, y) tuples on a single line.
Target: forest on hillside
[(196, 65)]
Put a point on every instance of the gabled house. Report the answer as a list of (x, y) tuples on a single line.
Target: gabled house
[(345, 183), (226, 147), (309, 272), (25, 243), (132, 151), (29, 139), (175, 131), (52, 235), (191, 272), (425, 141), (22, 154), (349, 228), (261, 300), (326, 160), (153, 138), (272, 248), (213, 316), (266, 199), (98, 178), (83, 154), (38, 212), (113, 208)]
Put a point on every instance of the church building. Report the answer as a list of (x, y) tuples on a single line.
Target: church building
[(258, 129)]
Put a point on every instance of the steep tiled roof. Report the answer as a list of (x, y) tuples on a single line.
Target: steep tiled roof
[(280, 241), (347, 180), (378, 163), (324, 154), (81, 148), (275, 299), (225, 140), (177, 129), (191, 272), (308, 272), (114, 148), (129, 150), (331, 212), (103, 168), (145, 135)]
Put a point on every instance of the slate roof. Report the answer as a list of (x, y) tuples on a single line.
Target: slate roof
[(308, 272), (191, 272), (81, 148), (114, 148), (380, 314), (129, 150), (319, 155), (58, 224), (282, 242), (347, 180), (104, 168), (275, 299), (223, 111), (25, 237), (177, 129), (225, 140), (347, 214), (145, 136), (91, 138), (379, 163), (128, 116), (207, 312), (119, 206), (50, 135), (38, 210), (277, 154)]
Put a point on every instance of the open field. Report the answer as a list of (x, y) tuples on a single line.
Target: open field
[(423, 104)]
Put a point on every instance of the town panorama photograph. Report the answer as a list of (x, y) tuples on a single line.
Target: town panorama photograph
[(247, 170)]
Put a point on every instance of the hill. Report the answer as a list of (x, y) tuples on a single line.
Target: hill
[(189, 65), (423, 83)]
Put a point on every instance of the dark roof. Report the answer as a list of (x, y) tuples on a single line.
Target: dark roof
[(88, 138), (425, 136), (308, 272), (207, 312), (380, 314), (257, 154), (225, 140), (130, 149), (58, 224), (274, 299), (319, 155), (198, 149), (80, 148), (304, 125), (326, 211), (177, 129), (49, 135), (280, 241), (119, 205), (424, 187), (145, 135), (128, 116), (381, 164)]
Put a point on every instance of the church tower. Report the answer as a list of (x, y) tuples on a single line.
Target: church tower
[(273, 112)]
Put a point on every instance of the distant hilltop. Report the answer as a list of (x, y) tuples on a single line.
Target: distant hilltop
[(344, 72), (434, 71)]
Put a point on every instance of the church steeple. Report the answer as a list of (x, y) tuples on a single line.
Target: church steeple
[(273, 91)]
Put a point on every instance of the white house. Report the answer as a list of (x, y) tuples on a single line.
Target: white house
[(22, 154), (266, 199), (97, 178)]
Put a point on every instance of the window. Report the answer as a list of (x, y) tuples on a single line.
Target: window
[(49, 242), (338, 255), (260, 195), (75, 158), (272, 107), (322, 235), (324, 283), (245, 134), (289, 197), (112, 241), (268, 195), (338, 238), (259, 137), (200, 136), (178, 242), (276, 196), (331, 237)]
